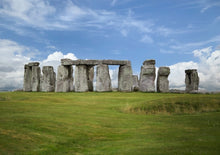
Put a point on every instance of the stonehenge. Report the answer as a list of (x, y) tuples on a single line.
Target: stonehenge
[(64, 82), (135, 86), (125, 81), (103, 81), (31, 77), (84, 71), (162, 79), (48, 79), (191, 80), (147, 76)]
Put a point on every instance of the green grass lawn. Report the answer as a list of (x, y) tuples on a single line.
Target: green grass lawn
[(109, 123)]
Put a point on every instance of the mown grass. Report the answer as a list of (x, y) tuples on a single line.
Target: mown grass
[(109, 123)]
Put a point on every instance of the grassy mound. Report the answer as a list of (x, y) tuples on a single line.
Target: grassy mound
[(188, 104), (102, 123)]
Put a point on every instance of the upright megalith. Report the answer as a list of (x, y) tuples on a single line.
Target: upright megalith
[(64, 81), (162, 79), (125, 81), (135, 86), (147, 76), (191, 80), (81, 78), (48, 79), (27, 78), (103, 80), (36, 78), (90, 76), (31, 77)]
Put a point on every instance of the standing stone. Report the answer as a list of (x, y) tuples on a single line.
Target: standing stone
[(162, 79), (35, 78), (48, 79), (27, 78), (191, 80), (31, 77), (64, 81), (103, 80), (90, 72), (135, 86), (81, 78), (125, 81), (147, 76)]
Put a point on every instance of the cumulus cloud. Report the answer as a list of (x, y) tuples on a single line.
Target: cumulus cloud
[(177, 74), (54, 59), (12, 64), (12, 61), (208, 69)]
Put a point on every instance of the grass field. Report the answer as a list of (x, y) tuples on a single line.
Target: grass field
[(109, 123)]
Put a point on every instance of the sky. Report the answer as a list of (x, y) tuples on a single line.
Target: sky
[(180, 34)]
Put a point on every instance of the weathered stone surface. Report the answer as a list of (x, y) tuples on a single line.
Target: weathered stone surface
[(135, 86), (81, 78), (94, 62), (149, 62), (31, 77), (162, 79), (27, 86), (103, 80), (90, 72), (48, 79), (147, 76), (33, 64), (191, 80), (35, 78), (64, 81), (125, 81)]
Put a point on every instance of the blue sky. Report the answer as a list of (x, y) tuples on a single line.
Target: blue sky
[(181, 34)]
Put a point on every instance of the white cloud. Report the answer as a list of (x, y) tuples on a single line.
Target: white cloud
[(177, 73), (54, 59), (42, 14), (147, 39), (184, 47), (208, 69), (12, 64), (32, 12), (12, 61)]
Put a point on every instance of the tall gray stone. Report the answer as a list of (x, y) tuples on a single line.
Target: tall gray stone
[(36, 78), (147, 76), (135, 86), (81, 78), (191, 80), (32, 77), (125, 81), (162, 79), (90, 72), (48, 79), (27, 86), (64, 81), (103, 80)]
